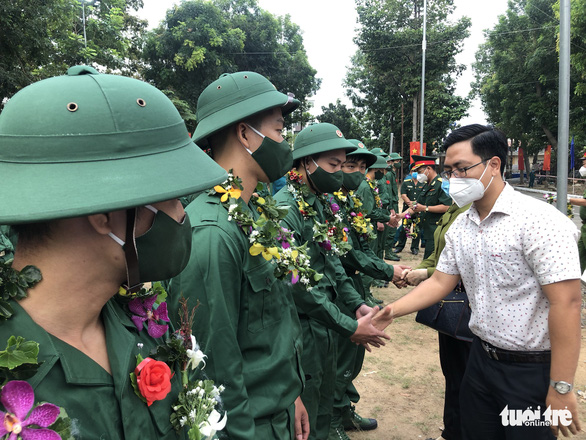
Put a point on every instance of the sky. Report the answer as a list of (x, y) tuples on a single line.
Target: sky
[(329, 26)]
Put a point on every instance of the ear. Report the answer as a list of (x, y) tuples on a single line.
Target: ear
[(242, 132), (495, 164), (107, 222)]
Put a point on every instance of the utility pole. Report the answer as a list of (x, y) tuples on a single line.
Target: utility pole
[(563, 107), (423, 49)]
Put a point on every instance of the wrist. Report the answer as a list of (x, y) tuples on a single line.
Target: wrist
[(426, 208), (562, 387)]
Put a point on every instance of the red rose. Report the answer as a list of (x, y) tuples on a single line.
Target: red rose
[(153, 379), (388, 182)]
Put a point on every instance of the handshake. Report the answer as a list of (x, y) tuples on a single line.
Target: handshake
[(410, 277)]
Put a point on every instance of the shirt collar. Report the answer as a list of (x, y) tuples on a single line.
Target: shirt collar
[(504, 205)]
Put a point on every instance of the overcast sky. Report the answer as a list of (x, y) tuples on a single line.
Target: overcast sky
[(329, 26)]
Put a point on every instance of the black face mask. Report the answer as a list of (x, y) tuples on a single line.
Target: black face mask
[(274, 158), (378, 174), (326, 182), (352, 180)]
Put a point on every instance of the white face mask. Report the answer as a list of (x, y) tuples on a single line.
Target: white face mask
[(582, 171), (422, 178), (464, 190)]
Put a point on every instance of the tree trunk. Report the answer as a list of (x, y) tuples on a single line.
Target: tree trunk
[(550, 137)]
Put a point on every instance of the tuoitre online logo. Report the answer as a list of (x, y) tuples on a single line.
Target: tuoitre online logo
[(534, 417)]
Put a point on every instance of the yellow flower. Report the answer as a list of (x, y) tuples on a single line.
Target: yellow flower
[(260, 201), (267, 253), (230, 192)]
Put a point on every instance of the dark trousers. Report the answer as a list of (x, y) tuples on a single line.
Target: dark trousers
[(453, 359), (490, 385)]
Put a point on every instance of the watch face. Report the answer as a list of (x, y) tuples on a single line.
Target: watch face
[(563, 387)]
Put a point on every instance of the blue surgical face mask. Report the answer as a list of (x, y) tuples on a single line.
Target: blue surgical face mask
[(446, 186), (414, 175)]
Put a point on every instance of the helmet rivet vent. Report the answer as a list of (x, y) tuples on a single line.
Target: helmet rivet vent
[(141, 102), (72, 106)]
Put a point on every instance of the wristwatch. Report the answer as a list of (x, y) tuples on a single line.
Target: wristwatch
[(426, 208), (561, 386)]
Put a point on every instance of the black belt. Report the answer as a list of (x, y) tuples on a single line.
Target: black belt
[(498, 354)]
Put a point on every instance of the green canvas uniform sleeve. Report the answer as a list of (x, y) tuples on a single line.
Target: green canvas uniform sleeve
[(316, 303), (347, 294), (365, 195), (362, 259)]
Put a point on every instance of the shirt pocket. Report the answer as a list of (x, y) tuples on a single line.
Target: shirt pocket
[(263, 302), (505, 268)]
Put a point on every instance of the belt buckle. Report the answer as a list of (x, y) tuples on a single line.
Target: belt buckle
[(491, 351)]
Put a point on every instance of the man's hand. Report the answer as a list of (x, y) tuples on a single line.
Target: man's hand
[(393, 221), (398, 272), (419, 207), (363, 310), (367, 334), (415, 277), (380, 226), (568, 401), (301, 421)]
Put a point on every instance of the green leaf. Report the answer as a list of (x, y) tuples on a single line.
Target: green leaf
[(19, 352)]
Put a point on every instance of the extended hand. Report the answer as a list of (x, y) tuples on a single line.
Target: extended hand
[(380, 226), (415, 277), (366, 333), (568, 401), (419, 208), (363, 310), (383, 318), (398, 272)]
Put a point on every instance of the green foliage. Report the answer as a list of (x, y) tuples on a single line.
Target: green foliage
[(343, 118), (517, 74), (199, 40), (42, 38), (384, 81), (14, 285), (19, 360)]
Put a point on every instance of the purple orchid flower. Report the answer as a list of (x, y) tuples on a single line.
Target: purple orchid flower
[(294, 277), (18, 398), (335, 207), (352, 214), (407, 215), (326, 245), (143, 312)]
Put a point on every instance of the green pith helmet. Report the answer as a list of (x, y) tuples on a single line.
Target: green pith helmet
[(378, 152), (319, 138), (234, 97), (396, 156), (362, 151), (85, 143), (381, 162)]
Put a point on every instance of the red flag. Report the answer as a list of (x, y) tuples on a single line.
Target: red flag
[(547, 159), (520, 161), (414, 150)]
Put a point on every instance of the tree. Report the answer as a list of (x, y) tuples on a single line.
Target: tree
[(199, 40), (517, 74), (42, 38), (343, 118), (385, 78)]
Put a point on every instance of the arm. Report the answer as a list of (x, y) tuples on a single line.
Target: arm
[(565, 301), (578, 202), (437, 209), (427, 293), (215, 267)]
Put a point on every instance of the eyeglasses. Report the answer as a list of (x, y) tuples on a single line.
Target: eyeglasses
[(460, 172)]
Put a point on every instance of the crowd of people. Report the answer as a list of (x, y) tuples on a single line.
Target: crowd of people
[(260, 307)]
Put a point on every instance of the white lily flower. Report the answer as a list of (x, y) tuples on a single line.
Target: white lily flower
[(213, 424), (195, 355)]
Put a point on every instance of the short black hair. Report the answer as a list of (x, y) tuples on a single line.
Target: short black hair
[(486, 140), (32, 234)]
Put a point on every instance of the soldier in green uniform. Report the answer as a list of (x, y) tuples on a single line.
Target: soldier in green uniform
[(394, 164), (103, 154), (360, 259), (246, 321), (582, 204), (319, 152), (410, 189), (432, 201)]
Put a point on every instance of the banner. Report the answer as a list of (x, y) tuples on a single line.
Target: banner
[(414, 150), (547, 159), (520, 160)]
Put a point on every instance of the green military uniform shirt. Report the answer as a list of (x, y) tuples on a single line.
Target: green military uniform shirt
[(391, 182), (439, 237), (245, 322), (432, 195), (317, 303), (411, 190), (372, 212), (101, 406)]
